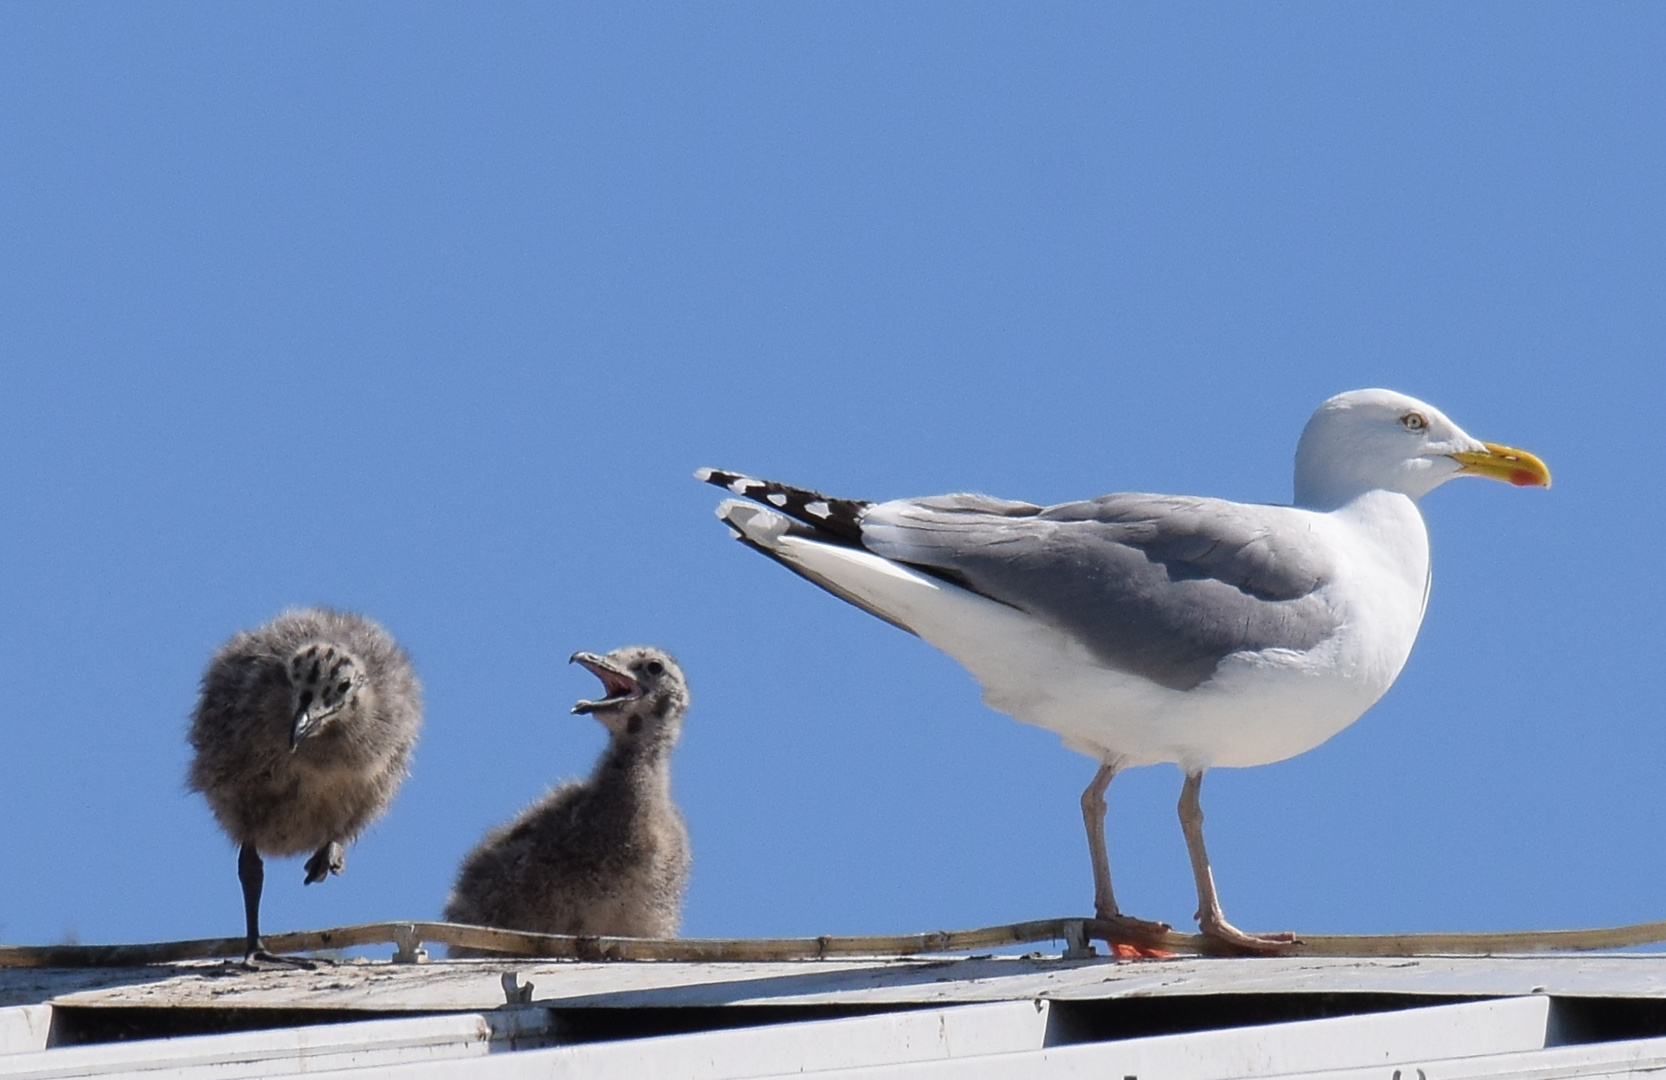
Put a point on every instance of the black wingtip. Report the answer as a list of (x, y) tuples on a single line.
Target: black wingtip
[(834, 518), (731, 481)]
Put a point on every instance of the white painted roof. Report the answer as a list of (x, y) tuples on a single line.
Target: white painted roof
[(1427, 1018)]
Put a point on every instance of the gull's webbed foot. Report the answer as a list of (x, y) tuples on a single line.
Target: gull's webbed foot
[(1234, 940), (1129, 938), (1119, 927), (329, 859)]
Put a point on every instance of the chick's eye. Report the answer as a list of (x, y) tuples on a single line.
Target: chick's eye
[(655, 667), (1415, 421)]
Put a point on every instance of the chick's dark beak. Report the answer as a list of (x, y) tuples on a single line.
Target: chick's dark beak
[(305, 724)]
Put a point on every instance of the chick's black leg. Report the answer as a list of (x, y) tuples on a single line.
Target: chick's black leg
[(252, 873)]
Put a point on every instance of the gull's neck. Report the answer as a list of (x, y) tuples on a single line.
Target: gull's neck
[(1395, 540), (1380, 509), (1327, 491)]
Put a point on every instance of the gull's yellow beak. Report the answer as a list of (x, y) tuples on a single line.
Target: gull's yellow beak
[(1505, 463)]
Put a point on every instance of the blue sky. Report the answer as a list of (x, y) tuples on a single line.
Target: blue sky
[(430, 312)]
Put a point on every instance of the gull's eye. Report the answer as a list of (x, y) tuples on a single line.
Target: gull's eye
[(1415, 421), (655, 667)]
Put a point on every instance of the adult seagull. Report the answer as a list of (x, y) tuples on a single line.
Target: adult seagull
[(1161, 628)]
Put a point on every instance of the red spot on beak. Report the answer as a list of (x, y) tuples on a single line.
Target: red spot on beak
[(1523, 478)]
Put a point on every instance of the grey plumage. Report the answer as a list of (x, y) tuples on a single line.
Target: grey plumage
[(607, 855), (1160, 586), (303, 732)]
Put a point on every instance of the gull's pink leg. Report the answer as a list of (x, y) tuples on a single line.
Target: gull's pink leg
[(1210, 920), (1104, 900)]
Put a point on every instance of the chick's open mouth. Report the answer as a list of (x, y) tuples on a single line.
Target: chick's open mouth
[(617, 685)]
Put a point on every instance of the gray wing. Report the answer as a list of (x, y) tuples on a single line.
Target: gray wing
[(1161, 586)]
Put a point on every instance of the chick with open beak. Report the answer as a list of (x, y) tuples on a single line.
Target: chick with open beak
[(622, 687), (607, 855)]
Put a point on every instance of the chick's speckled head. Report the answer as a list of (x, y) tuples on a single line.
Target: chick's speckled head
[(324, 682), (644, 687)]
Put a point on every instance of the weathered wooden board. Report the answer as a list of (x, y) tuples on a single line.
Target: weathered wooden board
[(1073, 932)]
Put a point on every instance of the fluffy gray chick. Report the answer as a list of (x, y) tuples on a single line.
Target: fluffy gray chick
[(303, 733), (607, 855)]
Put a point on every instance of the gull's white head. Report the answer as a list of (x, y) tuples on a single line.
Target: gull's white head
[(1371, 440)]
